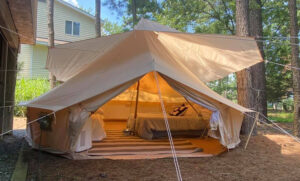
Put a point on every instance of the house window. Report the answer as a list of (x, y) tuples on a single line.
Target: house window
[(69, 27), (72, 28), (76, 28)]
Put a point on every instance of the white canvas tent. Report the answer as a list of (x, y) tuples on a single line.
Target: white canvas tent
[(97, 70)]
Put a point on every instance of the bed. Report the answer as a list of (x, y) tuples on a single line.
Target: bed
[(151, 126)]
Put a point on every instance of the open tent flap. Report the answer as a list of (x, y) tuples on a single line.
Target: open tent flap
[(224, 121)]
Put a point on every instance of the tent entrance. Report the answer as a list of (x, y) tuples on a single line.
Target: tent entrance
[(139, 110)]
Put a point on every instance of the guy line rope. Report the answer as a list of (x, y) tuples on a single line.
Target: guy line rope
[(28, 123), (178, 172), (276, 125)]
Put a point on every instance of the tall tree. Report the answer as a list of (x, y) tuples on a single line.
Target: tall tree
[(245, 92), (258, 70), (276, 24), (50, 5), (133, 10), (294, 30), (98, 17)]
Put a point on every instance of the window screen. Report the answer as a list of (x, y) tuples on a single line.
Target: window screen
[(76, 28), (68, 29)]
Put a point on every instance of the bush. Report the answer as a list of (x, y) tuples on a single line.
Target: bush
[(28, 89)]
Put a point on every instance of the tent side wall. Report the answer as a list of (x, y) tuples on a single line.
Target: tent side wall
[(232, 122), (55, 140)]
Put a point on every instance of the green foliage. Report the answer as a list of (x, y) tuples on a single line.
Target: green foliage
[(281, 116), (28, 89), (144, 9), (109, 28), (208, 16), (276, 24), (225, 87)]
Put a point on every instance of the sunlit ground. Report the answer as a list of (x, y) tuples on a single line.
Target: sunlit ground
[(288, 146)]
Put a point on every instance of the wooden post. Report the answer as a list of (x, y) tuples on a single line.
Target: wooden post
[(254, 123), (4, 58)]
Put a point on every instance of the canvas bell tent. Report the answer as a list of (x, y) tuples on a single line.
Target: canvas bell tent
[(138, 78)]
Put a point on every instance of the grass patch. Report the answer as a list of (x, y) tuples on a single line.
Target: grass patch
[(28, 89), (281, 116)]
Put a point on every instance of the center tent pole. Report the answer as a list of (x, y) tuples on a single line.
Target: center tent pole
[(192, 106), (136, 102)]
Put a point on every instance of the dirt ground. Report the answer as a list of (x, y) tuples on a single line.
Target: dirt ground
[(269, 156)]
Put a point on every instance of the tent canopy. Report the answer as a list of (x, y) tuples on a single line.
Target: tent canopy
[(209, 57), (190, 59)]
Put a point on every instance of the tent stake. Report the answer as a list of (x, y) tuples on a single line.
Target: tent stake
[(254, 123)]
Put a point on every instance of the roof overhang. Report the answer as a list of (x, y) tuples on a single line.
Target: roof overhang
[(18, 21), (24, 14)]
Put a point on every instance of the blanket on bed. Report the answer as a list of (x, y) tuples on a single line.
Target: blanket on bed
[(146, 124)]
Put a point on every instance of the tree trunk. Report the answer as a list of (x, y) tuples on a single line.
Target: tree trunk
[(258, 71), (98, 18), (245, 93), (50, 5), (294, 30), (134, 18)]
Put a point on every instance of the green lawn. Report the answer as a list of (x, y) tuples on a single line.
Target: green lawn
[(281, 116)]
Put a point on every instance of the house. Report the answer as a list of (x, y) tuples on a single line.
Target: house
[(70, 24), (17, 26)]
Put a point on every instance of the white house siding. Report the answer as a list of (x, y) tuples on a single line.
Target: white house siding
[(24, 61), (34, 57), (61, 14), (39, 58)]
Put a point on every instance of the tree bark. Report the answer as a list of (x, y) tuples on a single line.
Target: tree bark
[(258, 71), (245, 93), (134, 18), (98, 18), (294, 30), (50, 5)]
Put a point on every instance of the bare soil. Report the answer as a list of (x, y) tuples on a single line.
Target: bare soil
[(269, 156)]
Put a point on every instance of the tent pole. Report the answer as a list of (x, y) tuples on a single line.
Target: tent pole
[(136, 102), (192, 106), (254, 123)]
